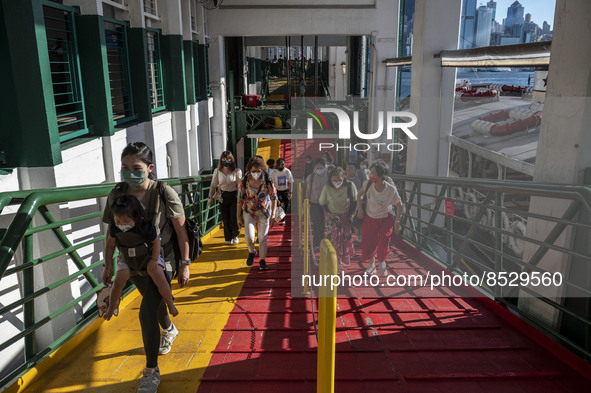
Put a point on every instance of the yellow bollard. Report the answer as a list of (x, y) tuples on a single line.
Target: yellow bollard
[(327, 315), (306, 290)]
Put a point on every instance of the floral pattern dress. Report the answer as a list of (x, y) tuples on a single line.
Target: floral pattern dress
[(257, 201)]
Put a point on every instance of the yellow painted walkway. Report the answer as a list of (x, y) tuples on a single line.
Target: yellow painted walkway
[(111, 359)]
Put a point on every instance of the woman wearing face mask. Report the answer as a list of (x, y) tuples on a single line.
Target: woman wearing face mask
[(167, 214), (227, 178), (314, 185), (283, 180), (338, 200), (377, 219), (257, 200)]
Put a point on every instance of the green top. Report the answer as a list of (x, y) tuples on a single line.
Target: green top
[(338, 201)]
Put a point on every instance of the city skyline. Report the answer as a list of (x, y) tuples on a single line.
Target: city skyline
[(540, 10)]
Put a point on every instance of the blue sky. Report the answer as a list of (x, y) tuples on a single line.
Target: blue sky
[(540, 10)]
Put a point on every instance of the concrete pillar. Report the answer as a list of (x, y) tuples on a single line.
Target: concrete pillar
[(564, 146), (436, 27), (382, 80), (217, 77)]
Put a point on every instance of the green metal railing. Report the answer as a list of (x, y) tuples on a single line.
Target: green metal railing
[(19, 246), (480, 227)]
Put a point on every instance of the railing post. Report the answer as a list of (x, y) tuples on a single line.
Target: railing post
[(28, 289), (306, 290), (499, 238), (327, 315), (450, 228), (300, 218)]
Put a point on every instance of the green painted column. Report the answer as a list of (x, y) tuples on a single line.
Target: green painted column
[(173, 71), (189, 72), (138, 67), (95, 74), (30, 134)]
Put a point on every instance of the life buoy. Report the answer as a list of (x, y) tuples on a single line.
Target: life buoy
[(470, 208), (457, 193), (517, 244), (487, 217), (506, 227)]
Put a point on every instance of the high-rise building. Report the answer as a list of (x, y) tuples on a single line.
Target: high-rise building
[(527, 17), (483, 26), (545, 28), (514, 15), (493, 6), (468, 24)]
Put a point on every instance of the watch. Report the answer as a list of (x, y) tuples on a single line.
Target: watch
[(186, 262)]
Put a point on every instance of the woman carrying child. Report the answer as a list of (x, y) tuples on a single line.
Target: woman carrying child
[(338, 198), (165, 211), (139, 245)]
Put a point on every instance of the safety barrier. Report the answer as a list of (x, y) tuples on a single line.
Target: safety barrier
[(483, 226), (327, 301), (24, 240), (327, 315)]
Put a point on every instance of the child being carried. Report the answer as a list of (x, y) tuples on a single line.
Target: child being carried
[(139, 251)]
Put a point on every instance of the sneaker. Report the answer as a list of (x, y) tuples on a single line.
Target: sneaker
[(149, 381), (281, 222), (263, 265), (167, 337), (236, 240), (371, 270), (228, 242), (250, 259), (383, 269)]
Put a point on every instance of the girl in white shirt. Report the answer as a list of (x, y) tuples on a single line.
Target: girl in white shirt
[(227, 177)]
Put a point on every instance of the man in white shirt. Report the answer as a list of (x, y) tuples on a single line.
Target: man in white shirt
[(283, 180)]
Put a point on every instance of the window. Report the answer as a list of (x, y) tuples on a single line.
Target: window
[(151, 7), (65, 70), (201, 69), (155, 70), (119, 77)]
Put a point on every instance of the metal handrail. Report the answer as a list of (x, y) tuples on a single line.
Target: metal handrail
[(483, 236), (19, 237)]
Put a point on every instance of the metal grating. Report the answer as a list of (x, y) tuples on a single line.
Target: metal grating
[(155, 70), (119, 74), (65, 70)]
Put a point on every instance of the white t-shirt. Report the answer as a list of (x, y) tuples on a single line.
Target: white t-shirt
[(281, 178), (226, 182), (379, 204)]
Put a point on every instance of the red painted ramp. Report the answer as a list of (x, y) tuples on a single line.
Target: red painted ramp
[(392, 344), (385, 343)]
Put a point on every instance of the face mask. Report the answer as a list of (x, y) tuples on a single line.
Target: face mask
[(280, 169), (133, 178), (337, 184), (256, 175), (320, 171), (373, 179), (226, 163), (308, 162), (125, 227), (363, 167)]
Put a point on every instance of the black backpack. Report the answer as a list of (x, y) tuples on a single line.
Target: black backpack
[(193, 234)]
